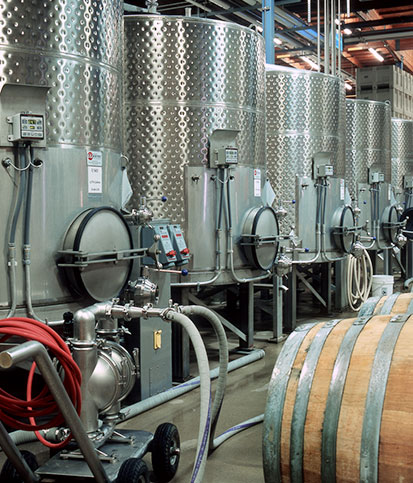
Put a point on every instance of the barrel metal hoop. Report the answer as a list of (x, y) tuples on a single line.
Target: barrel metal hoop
[(369, 305), (275, 403), (388, 304), (369, 452), (334, 398), (302, 398), (410, 308)]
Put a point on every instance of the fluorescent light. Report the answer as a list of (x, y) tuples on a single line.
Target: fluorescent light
[(310, 62), (278, 41), (348, 86), (347, 31), (376, 54)]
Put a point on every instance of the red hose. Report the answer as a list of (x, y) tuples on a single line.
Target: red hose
[(13, 410)]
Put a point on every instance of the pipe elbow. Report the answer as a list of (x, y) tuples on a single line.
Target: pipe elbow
[(84, 324)]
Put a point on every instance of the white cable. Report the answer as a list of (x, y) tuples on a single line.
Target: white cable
[(359, 280)]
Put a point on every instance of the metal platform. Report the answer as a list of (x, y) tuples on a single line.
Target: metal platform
[(123, 445)]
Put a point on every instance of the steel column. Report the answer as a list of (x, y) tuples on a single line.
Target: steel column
[(268, 22)]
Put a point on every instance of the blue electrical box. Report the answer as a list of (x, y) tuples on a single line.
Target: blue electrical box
[(179, 244), (167, 255)]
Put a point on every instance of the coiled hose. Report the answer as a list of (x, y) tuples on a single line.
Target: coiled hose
[(15, 411), (359, 280)]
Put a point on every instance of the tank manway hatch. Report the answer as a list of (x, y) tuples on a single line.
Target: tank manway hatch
[(98, 247), (260, 237)]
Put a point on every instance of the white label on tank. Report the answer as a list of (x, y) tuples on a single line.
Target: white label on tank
[(257, 182), (94, 178), (342, 190), (94, 158), (389, 192)]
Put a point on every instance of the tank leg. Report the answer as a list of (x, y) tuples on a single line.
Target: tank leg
[(325, 285), (290, 302), (246, 304), (407, 259), (387, 262), (340, 272), (277, 308)]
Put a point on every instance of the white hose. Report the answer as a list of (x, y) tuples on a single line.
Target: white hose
[(205, 411), (237, 429), (222, 379), (223, 361), (359, 280)]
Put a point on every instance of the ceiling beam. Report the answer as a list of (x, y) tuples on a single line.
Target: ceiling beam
[(364, 5), (380, 22), (382, 34)]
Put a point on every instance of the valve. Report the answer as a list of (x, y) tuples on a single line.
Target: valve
[(283, 265), (171, 253), (185, 251), (401, 240)]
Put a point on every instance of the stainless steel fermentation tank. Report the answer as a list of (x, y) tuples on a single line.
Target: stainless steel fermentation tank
[(368, 171), (194, 88), (305, 121), (402, 182), (63, 60), (402, 160)]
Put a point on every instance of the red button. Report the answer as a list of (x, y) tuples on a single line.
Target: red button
[(185, 251), (171, 254)]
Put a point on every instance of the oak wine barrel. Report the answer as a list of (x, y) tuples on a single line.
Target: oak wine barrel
[(340, 403), (396, 303)]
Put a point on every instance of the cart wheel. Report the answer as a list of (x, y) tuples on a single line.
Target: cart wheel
[(9, 473), (133, 470), (165, 452)]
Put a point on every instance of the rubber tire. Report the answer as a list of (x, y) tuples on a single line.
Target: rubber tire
[(165, 436), (9, 473), (132, 471)]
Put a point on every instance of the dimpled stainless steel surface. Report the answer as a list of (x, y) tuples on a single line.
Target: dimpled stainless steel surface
[(184, 78), (73, 48), (305, 115), (367, 141), (401, 150)]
